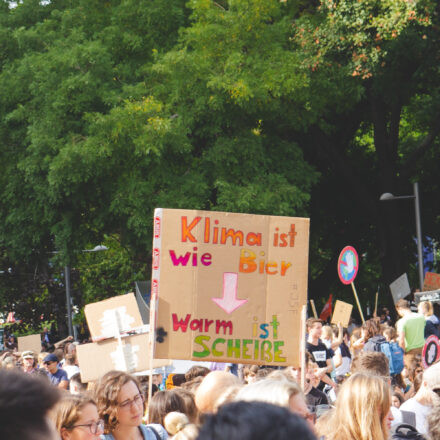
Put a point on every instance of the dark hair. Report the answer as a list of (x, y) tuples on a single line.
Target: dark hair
[(373, 362), (24, 402), (190, 404), (372, 328), (195, 371), (254, 421), (164, 402)]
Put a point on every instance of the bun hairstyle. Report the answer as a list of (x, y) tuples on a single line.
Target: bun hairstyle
[(177, 425)]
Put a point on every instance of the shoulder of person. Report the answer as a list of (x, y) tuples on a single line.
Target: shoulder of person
[(154, 431)]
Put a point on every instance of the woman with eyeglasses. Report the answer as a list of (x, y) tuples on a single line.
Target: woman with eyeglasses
[(76, 418), (121, 405)]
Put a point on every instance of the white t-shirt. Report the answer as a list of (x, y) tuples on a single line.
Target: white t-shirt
[(421, 411), (70, 370), (344, 368)]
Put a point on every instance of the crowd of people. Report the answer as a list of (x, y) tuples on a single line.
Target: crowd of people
[(361, 383)]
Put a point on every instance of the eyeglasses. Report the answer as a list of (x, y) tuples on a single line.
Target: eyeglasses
[(94, 427), (137, 400)]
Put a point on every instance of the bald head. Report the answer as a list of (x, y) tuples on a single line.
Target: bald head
[(211, 389)]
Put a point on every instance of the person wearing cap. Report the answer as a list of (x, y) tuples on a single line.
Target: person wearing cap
[(57, 376), (28, 360)]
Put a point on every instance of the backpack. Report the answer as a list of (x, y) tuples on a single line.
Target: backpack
[(394, 352), (406, 432)]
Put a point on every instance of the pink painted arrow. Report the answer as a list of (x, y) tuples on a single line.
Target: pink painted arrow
[(229, 302)]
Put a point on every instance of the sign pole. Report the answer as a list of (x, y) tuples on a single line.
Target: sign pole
[(303, 345), (375, 306), (312, 303), (357, 302)]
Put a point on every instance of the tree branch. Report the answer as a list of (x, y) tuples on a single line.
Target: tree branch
[(407, 169)]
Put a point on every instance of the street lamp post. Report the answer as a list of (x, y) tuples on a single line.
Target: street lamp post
[(388, 197), (68, 290)]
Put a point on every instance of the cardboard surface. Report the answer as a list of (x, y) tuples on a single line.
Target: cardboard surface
[(30, 342), (108, 318), (432, 281), (342, 313), (96, 359), (400, 288), (230, 287)]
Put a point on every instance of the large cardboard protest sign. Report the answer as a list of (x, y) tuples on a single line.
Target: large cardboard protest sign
[(400, 288), (30, 342), (342, 313), (230, 287), (113, 316), (432, 281), (131, 356)]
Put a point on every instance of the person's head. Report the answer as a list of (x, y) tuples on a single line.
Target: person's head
[(402, 307), (389, 333), (50, 363), (250, 373), (24, 403), (196, 371), (28, 359), (212, 387), (75, 384), (70, 359), (314, 327), (372, 362), (362, 409), (433, 423), (396, 400), (164, 402), (178, 425), (327, 333), (430, 387), (425, 308), (254, 421), (119, 400), (190, 404), (371, 328), (76, 418), (279, 391)]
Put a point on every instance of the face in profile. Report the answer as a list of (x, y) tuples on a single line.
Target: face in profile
[(130, 405), (87, 427)]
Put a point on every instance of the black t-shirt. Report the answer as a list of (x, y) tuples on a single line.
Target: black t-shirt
[(316, 397), (319, 352)]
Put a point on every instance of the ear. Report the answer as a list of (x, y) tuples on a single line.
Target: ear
[(65, 434)]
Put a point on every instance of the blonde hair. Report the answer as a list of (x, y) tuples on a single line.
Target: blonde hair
[(177, 424), (425, 308), (277, 391), (68, 411), (361, 408), (327, 332)]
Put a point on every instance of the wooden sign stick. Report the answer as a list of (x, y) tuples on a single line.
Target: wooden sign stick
[(375, 306), (303, 345), (357, 302), (312, 303)]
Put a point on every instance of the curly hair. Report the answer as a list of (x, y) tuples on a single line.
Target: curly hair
[(106, 396)]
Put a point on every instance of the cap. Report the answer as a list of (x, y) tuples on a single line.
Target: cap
[(28, 355), (50, 358)]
